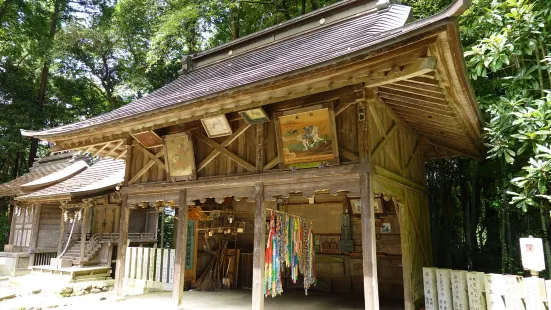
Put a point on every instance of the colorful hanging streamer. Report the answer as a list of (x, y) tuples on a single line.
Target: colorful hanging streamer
[(290, 244)]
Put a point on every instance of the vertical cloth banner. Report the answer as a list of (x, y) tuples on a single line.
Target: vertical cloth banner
[(190, 246)]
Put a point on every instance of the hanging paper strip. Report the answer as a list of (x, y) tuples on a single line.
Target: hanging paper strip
[(291, 244)]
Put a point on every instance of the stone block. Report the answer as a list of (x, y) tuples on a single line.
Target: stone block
[(61, 263)]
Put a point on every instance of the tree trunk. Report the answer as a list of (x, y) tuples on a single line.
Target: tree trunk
[(285, 10), (303, 7), (44, 77), (16, 168), (465, 200), (314, 4), (234, 13)]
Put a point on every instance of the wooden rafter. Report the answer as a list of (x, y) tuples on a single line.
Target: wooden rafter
[(419, 67), (224, 144), (272, 163), (342, 107), (224, 151), (113, 150), (350, 155), (98, 152)]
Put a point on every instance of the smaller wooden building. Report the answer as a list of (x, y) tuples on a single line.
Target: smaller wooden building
[(67, 207)]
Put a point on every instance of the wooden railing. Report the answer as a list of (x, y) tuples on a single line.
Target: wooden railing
[(43, 258), (447, 289), (149, 268)]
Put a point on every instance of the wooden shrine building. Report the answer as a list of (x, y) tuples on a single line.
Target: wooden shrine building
[(330, 115), (66, 207)]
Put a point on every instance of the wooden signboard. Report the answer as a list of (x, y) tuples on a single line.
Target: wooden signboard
[(165, 266), (443, 286), (179, 156), (255, 116), (148, 139), (307, 137), (217, 126), (475, 286), (139, 263), (459, 289), (171, 266), (158, 265), (495, 288), (429, 281), (151, 271), (534, 293), (513, 292)]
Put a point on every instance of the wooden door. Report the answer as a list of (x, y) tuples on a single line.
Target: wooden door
[(104, 219)]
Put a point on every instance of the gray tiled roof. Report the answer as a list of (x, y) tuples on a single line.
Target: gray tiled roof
[(42, 167), (315, 47), (103, 175)]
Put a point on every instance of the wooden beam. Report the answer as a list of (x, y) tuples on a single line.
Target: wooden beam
[(272, 163), (122, 154), (259, 248), (347, 154), (397, 89), (418, 86), (180, 259), (225, 152), (412, 156), (152, 156), (114, 149), (417, 99), (454, 150), (418, 67), (224, 144), (146, 167), (386, 137), (371, 292), (382, 143), (98, 152), (399, 121), (419, 108), (342, 107), (121, 248)]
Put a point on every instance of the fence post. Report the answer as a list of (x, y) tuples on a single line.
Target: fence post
[(513, 292), (443, 285), (475, 286), (431, 297), (534, 293), (494, 290), (459, 290)]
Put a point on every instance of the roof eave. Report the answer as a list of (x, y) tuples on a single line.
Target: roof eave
[(410, 30)]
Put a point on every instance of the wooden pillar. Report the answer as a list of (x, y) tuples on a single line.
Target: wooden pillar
[(11, 222), (12, 219), (34, 232), (259, 249), (61, 234), (83, 232), (180, 258), (121, 248), (369, 251)]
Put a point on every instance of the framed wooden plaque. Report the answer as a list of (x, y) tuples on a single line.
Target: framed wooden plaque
[(179, 156), (307, 138)]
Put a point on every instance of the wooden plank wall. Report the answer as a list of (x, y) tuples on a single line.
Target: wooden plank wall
[(399, 154), (245, 145), (48, 230)]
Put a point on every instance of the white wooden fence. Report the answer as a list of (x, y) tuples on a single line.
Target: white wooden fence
[(148, 269), (447, 289)]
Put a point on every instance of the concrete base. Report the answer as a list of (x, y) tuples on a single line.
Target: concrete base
[(14, 264), (60, 263)]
